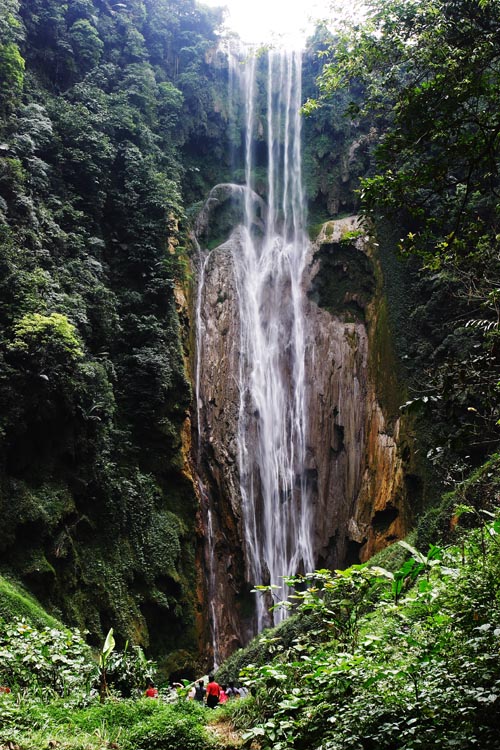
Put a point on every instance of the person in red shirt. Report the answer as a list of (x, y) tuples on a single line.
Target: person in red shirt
[(151, 691), (213, 692)]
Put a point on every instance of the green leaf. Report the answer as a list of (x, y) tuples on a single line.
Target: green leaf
[(418, 556), (109, 644)]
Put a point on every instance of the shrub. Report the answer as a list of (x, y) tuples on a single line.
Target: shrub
[(36, 333), (47, 661), (171, 728)]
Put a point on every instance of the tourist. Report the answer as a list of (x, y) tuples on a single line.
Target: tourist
[(151, 690), (223, 695), (232, 691), (213, 692), (199, 691)]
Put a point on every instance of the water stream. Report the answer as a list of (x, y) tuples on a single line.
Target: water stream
[(294, 454)]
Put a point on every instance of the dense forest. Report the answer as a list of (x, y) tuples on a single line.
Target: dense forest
[(428, 80), (114, 125), (110, 127)]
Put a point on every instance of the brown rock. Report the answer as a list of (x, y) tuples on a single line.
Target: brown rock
[(354, 463)]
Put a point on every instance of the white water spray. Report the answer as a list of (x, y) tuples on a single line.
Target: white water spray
[(276, 506)]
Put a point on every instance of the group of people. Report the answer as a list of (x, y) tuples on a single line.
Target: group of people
[(213, 693), (210, 696)]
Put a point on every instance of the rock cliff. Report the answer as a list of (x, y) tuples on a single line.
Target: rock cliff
[(355, 462), (354, 443)]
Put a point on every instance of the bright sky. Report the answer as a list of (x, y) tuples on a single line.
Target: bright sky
[(268, 20)]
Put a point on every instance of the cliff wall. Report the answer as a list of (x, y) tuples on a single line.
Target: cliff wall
[(357, 458)]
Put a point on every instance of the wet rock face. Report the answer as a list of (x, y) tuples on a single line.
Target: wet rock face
[(361, 502), (218, 459), (354, 465)]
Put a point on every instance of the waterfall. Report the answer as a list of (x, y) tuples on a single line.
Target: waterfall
[(271, 436), (290, 476), (250, 385)]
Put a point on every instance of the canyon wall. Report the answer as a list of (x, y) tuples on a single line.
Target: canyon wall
[(356, 451)]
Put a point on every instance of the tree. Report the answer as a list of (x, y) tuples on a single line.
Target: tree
[(93, 391), (46, 337), (11, 62), (429, 71), (86, 44)]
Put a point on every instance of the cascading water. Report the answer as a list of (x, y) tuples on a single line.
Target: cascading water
[(252, 444), (295, 457), (272, 416)]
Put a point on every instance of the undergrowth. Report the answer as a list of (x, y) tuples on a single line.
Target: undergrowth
[(391, 660), (143, 724), (401, 653)]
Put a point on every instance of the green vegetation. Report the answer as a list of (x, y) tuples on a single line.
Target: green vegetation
[(113, 126), (405, 659), (111, 122), (421, 78), (16, 603), (55, 693), (47, 661), (336, 150), (402, 653), (143, 724), (403, 656)]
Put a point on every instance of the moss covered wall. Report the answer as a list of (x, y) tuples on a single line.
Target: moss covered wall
[(118, 123)]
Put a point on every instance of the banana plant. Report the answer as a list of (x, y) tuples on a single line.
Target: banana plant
[(414, 566), (107, 649)]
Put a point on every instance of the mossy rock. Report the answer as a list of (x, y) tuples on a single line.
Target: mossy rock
[(17, 603), (346, 281), (480, 491)]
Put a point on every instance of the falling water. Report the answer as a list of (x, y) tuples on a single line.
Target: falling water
[(272, 415), (268, 251), (201, 268), (267, 467)]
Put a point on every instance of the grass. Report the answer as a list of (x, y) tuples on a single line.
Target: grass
[(142, 724), (17, 603)]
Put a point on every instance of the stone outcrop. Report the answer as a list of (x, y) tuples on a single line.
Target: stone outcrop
[(224, 210), (353, 445), (217, 421), (355, 464)]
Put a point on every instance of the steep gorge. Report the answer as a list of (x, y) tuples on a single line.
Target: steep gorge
[(116, 121)]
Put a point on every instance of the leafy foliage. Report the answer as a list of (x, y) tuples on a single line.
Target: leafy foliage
[(44, 336), (130, 724), (406, 660), (159, 732), (424, 75), (101, 107), (336, 150), (12, 64), (47, 661)]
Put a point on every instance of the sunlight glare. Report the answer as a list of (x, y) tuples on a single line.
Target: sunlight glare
[(267, 21)]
